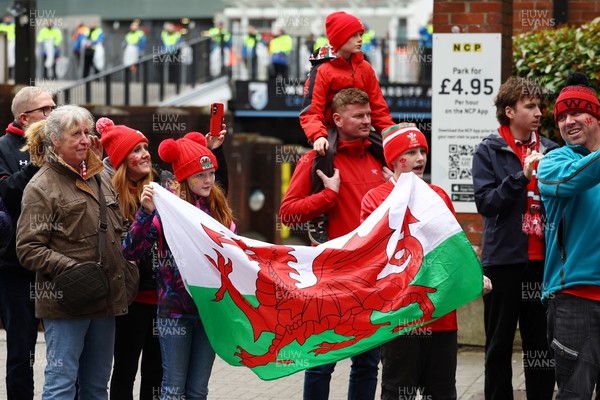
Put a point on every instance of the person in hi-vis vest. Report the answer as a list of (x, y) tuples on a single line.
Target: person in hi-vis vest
[(220, 36), (280, 49), (50, 38), (93, 44), (8, 25), (133, 45), (251, 40), (170, 39)]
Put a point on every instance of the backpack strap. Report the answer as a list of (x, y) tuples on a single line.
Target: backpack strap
[(318, 57), (312, 76), (376, 147), (324, 163), (102, 224)]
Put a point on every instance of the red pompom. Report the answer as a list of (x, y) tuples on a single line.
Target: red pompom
[(168, 150), (196, 137), (104, 125)]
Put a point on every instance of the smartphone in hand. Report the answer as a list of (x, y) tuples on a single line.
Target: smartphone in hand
[(216, 118)]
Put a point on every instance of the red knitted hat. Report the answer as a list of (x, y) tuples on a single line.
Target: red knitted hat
[(118, 140), (402, 137), (577, 98), (340, 26), (189, 155)]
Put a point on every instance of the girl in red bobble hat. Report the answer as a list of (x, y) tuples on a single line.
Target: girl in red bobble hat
[(187, 356), (129, 162)]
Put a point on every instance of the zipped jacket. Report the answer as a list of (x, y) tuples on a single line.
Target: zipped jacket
[(360, 172), (15, 172), (569, 182), (58, 229), (327, 77), (500, 188)]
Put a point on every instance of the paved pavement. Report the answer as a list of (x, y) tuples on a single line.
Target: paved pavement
[(228, 382)]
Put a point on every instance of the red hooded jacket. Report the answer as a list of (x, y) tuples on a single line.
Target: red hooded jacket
[(329, 77)]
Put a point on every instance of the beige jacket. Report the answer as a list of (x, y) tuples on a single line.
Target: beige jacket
[(58, 229)]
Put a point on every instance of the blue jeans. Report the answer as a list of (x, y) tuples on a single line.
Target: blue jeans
[(363, 378), (187, 358), (573, 332), (17, 311), (81, 351)]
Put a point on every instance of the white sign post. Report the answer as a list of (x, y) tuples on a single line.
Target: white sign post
[(466, 78)]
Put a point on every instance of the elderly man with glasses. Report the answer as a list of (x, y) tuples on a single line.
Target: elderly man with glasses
[(17, 285)]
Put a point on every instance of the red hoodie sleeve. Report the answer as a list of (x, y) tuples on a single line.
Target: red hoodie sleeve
[(367, 205), (381, 118), (298, 204), (312, 116)]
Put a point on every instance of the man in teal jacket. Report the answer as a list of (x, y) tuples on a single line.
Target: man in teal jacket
[(569, 182)]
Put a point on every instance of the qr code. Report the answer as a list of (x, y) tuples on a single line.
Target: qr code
[(460, 158)]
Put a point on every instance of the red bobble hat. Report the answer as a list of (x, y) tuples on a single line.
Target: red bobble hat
[(402, 137), (118, 140), (577, 97), (340, 26), (189, 155)]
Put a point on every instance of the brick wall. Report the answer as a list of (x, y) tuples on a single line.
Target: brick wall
[(539, 14), (532, 15), (488, 15), (469, 16), (472, 224), (582, 11), (477, 16)]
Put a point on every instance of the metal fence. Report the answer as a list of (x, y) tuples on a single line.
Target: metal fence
[(158, 76), (152, 79), (398, 65)]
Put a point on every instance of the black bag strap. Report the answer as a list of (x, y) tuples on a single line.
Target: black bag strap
[(103, 224)]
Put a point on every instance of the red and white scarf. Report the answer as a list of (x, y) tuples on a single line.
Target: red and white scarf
[(83, 170), (532, 221)]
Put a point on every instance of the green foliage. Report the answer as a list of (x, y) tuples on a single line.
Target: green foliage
[(549, 56)]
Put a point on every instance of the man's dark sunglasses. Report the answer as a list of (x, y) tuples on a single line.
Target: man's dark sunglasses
[(45, 110)]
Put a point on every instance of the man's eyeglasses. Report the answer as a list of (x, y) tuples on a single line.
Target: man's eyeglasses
[(45, 110)]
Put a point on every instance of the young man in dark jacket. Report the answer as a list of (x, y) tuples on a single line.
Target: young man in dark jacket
[(507, 196), (17, 285)]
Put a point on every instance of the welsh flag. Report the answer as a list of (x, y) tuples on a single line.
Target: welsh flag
[(280, 309)]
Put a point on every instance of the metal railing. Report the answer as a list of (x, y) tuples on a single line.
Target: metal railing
[(400, 64), (153, 78), (158, 76)]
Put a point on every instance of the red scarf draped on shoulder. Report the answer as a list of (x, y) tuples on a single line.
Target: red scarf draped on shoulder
[(532, 221), (14, 128)]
